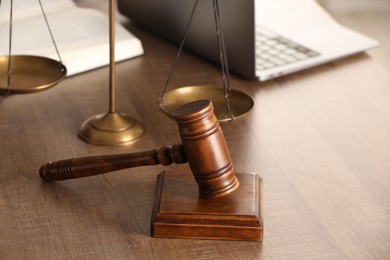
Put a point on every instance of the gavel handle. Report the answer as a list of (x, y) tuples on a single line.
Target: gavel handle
[(94, 165)]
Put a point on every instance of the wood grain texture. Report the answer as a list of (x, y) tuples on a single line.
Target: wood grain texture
[(320, 140)]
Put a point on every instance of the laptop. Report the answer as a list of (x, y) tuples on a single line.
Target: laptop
[(264, 39)]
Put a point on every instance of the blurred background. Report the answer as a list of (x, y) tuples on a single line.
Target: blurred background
[(371, 17)]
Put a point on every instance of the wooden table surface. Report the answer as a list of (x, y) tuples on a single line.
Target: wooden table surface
[(320, 139)]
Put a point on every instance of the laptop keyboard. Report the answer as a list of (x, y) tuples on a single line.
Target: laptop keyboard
[(273, 50)]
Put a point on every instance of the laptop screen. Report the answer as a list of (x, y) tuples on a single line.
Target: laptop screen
[(169, 19)]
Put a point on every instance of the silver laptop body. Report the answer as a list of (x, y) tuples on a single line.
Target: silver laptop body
[(254, 32)]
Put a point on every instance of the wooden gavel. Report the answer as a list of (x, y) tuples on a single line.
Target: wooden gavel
[(203, 146)]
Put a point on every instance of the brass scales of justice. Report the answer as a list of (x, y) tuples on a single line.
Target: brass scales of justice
[(224, 205), (25, 74)]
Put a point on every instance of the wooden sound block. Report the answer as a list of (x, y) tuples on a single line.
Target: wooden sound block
[(179, 212)]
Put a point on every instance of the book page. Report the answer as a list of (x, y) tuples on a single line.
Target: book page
[(80, 34), (74, 29), (26, 9)]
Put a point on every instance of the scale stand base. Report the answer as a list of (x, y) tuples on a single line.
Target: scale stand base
[(111, 128), (179, 212)]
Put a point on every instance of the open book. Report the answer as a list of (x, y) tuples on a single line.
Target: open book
[(81, 34)]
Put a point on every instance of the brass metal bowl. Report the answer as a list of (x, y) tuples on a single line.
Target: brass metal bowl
[(30, 74), (240, 103)]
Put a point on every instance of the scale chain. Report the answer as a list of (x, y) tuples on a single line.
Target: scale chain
[(222, 56), (50, 32), (178, 53)]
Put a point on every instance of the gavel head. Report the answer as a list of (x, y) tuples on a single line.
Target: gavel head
[(206, 149)]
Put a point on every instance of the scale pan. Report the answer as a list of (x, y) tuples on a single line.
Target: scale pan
[(240, 103), (30, 74)]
